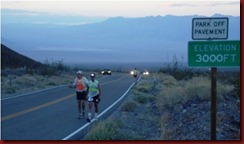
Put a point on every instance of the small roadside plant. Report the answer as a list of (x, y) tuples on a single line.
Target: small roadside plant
[(129, 107), (183, 91), (144, 87), (105, 131), (141, 99)]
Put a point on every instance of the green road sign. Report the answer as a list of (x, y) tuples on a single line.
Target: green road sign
[(214, 53)]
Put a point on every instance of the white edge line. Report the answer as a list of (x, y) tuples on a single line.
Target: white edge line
[(84, 126)]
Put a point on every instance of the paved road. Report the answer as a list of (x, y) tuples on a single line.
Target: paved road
[(52, 114)]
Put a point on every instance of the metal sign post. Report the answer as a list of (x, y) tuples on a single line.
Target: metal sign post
[(213, 102)]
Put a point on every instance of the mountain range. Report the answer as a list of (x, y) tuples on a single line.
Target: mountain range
[(117, 39)]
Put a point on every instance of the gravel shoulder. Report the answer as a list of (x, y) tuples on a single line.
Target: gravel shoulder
[(140, 123)]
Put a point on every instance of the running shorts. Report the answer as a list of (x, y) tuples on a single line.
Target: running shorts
[(81, 95), (94, 99)]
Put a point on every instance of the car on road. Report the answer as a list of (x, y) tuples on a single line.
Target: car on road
[(106, 72), (145, 72)]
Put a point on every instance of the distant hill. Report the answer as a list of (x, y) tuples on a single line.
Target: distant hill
[(12, 59)]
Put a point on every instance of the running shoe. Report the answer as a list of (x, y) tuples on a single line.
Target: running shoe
[(79, 117), (88, 120), (83, 114)]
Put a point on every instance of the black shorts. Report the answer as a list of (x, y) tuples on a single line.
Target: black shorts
[(95, 99), (135, 76), (81, 95)]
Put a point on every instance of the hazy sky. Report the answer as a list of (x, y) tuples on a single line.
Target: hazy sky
[(126, 8)]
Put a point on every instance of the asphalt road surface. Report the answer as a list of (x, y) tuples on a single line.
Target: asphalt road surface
[(52, 114)]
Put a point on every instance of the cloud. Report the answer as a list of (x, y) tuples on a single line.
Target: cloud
[(134, 8), (204, 3), (22, 16), (214, 4), (10, 12), (182, 5)]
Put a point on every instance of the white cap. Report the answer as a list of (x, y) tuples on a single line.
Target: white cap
[(79, 72)]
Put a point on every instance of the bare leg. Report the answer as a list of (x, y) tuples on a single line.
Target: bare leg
[(83, 105), (89, 111), (90, 107), (79, 106), (96, 107), (96, 110)]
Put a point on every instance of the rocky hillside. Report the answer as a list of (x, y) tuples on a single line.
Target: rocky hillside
[(12, 59)]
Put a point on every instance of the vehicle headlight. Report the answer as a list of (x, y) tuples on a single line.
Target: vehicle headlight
[(145, 73), (132, 72), (109, 71)]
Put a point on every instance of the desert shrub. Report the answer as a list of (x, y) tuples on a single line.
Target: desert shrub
[(170, 96), (25, 83), (141, 90), (231, 77), (144, 86), (141, 99), (223, 89), (186, 90), (27, 80), (201, 87), (105, 131), (167, 80), (51, 83), (9, 90), (198, 86), (128, 107), (15, 83), (53, 68), (136, 92), (18, 72)]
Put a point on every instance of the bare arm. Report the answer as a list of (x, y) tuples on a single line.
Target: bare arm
[(99, 89)]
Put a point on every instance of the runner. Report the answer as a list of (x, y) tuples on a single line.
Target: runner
[(81, 84), (94, 94)]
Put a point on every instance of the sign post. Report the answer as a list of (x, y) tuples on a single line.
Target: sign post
[(213, 102), (212, 53)]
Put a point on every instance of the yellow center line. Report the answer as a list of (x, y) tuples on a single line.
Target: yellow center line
[(36, 108), (113, 81)]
